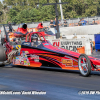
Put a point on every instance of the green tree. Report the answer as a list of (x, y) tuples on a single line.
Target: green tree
[(27, 10)]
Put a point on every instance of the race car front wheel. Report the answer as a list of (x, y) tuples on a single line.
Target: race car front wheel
[(84, 65)]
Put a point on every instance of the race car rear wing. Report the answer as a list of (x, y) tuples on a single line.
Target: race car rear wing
[(6, 33), (4, 37)]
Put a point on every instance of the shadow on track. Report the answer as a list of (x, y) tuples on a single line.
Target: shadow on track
[(96, 73)]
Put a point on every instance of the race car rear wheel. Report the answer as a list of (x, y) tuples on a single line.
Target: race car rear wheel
[(84, 65), (2, 55)]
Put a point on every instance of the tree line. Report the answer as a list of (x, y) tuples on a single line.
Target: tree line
[(26, 11)]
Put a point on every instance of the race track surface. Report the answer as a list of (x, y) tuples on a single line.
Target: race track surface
[(58, 85)]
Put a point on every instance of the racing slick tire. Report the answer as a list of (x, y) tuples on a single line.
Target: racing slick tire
[(84, 65), (2, 55)]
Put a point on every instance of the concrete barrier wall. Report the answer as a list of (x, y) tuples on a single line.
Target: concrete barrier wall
[(79, 30)]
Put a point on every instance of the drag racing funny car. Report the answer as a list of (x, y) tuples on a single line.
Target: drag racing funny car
[(33, 50)]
